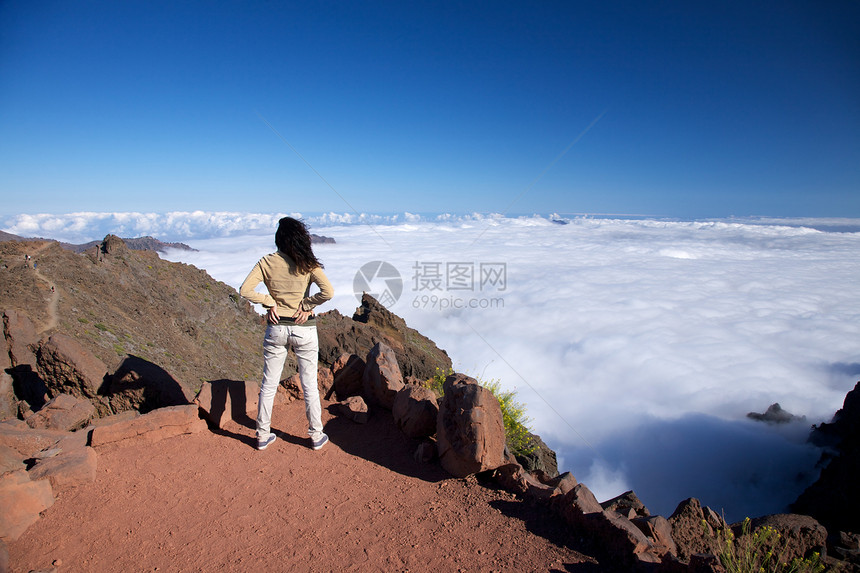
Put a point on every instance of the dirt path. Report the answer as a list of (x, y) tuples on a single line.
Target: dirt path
[(54, 301), (212, 502)]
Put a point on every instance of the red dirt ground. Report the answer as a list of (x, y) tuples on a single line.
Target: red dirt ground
[(212, 502)]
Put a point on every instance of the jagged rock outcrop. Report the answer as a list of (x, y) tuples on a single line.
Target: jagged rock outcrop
[(775, 415), (470, 433), (833, 499), (694, 528), (371, 323), (67, 367)]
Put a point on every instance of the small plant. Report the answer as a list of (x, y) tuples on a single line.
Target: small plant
[(517, 434), (762, 551), (101, 327), (437, 381)]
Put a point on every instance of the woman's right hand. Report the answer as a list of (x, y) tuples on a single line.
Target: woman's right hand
[(272, 315)]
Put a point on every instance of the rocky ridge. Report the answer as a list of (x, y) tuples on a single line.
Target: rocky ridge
[(62, 401)]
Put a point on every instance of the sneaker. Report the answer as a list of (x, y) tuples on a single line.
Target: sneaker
[(318, 444), (263, 444)]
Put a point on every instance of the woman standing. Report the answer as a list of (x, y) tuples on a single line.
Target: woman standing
[(288, 275)]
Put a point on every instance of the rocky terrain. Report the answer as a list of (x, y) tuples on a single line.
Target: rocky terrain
[(127, 392)]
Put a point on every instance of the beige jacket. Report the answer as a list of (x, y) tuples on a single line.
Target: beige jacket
[(287, 287)]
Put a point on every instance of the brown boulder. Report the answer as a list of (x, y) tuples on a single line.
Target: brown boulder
[(151, 427), (348, 373), (10, 460), (382, 378), (801, 534), (415, 411), (67, 469), (113, 245), (64, 412), (16, 434), (515, 479), (621, 539), (355, 409), (695, 528), (456, 378), (576, 504), (21, 502), (293, 384), (658, 529), (67, 367), (470, 432)]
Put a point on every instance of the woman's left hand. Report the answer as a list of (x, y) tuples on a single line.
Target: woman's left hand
[(272, 315)]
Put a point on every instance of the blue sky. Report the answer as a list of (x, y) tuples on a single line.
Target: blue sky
[(677, 109)]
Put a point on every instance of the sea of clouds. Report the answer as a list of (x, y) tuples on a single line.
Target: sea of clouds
[(638, 346)]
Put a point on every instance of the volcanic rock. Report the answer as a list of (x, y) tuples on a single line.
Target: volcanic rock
[(67, 367), (21, 338), (64, 412), (355, 409), (415, 411), (151, 427), (625, 503), (541, 458), (576, 504), (67, 469), (21, 502), (26, 441), (833, 499), (800, 533), (470, 433), (382, 378), (348, 373), (694, 528), (775, 415), (416, 354)]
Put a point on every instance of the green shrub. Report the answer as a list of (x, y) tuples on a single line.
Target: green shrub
[(761, 551)]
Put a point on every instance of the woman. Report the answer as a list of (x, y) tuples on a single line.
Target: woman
[(288, 275)]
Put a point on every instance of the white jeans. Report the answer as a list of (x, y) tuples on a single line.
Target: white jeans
[(303, 340)]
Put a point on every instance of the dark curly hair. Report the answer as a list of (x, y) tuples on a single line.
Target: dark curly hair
[(292, 238)]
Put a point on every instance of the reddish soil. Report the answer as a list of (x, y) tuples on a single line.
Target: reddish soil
[(211, 501)]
